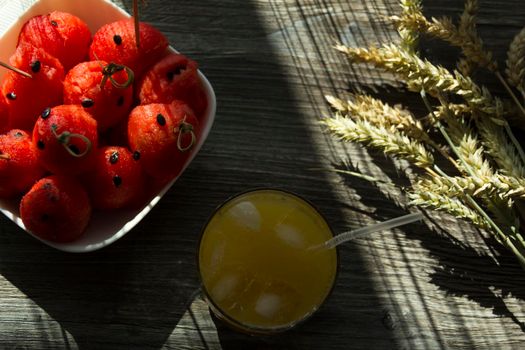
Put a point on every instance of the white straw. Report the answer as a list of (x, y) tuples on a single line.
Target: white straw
[(381, 226)]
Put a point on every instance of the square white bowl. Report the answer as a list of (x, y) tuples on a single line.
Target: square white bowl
[(109, 226)]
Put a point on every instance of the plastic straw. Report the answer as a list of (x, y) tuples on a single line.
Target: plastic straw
[(381, 226)]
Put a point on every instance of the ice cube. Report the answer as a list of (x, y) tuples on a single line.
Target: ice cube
[(268, 305), (278, 301), (246, 214), (225, 287), (290, 235), (217, 255)]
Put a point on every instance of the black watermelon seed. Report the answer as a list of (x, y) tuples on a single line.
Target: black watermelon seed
[(161, 120), (11, 96), (87, 102), (113, 158), (120, 101), (117, 39), (45, 114), (74, 149), (47, 186), (35, 66), (18, 134), (40, 144), (171, 74), (117, 180), (54, 23), (136, 155)]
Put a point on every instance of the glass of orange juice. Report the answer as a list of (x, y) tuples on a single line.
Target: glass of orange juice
[(258, 271)]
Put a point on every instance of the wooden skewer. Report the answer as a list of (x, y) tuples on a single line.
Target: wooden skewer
[(14, 69), (136, 18)]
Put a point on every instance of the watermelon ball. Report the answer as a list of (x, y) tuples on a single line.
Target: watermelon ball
[(19, 167), (56, 208), (117, 180), (163, 135), (115, 42), (61, 34), (4, 115), (107, 103), (27, 97), (175, 77), (65, 138)]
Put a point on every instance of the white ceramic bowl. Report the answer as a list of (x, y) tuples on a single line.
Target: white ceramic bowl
[(104, 227)]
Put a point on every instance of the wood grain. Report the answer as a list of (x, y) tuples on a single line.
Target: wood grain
[(426, 286)]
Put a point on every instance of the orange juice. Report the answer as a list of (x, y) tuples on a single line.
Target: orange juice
[(257, 270)]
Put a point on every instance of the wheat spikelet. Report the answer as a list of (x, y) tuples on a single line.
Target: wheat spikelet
[(378, 113), (464, 66), (499, 147), (467, 21), (456, 186), (420, 74), (409, 37), (443, 28), (470, 151), (456, 110), (427, 199), (507, 186), (516, 60), (395, 144)]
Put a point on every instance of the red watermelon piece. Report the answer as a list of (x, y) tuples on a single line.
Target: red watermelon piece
[(117, 180), (27, 97), (19, 167), (61, 34), (115, 42), (175, 77), (57, 209), (4, 115), (65, 138), (108, 104), (163, 135)]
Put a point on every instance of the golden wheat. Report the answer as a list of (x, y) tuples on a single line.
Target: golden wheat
[(516, 60)]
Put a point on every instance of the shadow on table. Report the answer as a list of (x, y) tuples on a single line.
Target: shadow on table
[(131, 294), (480, 281), (134, 293)]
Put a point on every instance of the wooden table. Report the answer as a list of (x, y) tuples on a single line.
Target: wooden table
[(426, 286)]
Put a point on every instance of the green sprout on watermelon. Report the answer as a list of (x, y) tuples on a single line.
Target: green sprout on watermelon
[(113, 68), (185, 128), (65, 138)]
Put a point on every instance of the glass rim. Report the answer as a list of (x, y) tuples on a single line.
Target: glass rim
[(248, 328)]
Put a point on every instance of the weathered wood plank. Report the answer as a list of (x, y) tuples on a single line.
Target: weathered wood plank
[(431, 285)]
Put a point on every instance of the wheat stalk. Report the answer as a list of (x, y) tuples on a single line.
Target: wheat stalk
[(506, 187), (466, 38), (473, 130), (467, 21), (420, 74), (469, 150), (378, 113), (444, 29), (409, 37), (423, 197), (451, 186), (396, 144), (516, 61), (500, 148)]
